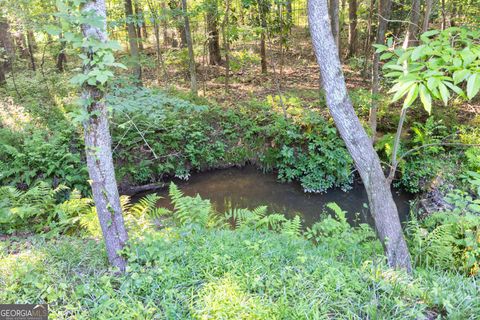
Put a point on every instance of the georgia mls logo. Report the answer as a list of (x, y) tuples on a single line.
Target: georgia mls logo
[(23, 312)]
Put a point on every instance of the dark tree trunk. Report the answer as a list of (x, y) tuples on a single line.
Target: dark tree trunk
[(382, 206), (132, 40), (191, 55), (99, 156), (213, 37), (426, 16), (61, 57), (413, 27), (352, 27), (6, 43), (262, 11), (31, 46), (140, 25), (3, 80), (384, 8), (335, 22), (368, 39), (226, 41), (444, 17)]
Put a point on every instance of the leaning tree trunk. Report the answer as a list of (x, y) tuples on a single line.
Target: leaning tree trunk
[(335, 22), (382, 206), (191, 55), (384, 8), (213, 37), (413, 27), (99, 154), (352, 27), (132, 40)]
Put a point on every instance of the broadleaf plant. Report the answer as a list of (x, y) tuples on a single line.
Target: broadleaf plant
[(444, 64)]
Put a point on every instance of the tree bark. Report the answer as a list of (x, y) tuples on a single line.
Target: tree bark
[(262, 11), (6, 43), (382, 206), (368, 39), (384, 8), (352, 27), (3, 80), (226, 40), (61, 57), (139, 25), (191, 55), (99, 154), (31, 46), (444, 17), (213, 37), (426, 17), (288, 6), (335, 22), (132, 40), (413, 27)]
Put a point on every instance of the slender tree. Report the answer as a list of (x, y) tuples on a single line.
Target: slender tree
[(382, 206), (132, 40), (213, 36), (262, 12), (426, 16), (352, 27), (31, 49), (334, 9), (413, 27), (384, 8), (99, 152), (226, 40), (191, 55)]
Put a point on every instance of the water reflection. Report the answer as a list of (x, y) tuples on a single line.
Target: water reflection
[(248, 187)]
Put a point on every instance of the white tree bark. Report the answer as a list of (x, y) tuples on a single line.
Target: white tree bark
[(382, 206)]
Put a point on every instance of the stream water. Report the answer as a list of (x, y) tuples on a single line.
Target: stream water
[(248, 187)]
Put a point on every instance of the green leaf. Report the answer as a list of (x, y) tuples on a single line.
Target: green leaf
[(386, 55), (418, 52), (444, 93), (473, 85), (455, 89), (401, 89), (426, 98), (52, 30), (411, 96), (460, 75)]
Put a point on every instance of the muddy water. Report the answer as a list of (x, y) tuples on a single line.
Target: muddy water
[(248, 187)]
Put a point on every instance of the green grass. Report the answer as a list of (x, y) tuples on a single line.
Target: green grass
[(185, 273)]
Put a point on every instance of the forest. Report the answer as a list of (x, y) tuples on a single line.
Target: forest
[(240, 159)]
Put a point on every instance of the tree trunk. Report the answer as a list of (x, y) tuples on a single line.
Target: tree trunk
[(262, 11), (352, 27), (61, 57), (335, 23), (99, 155), (6, 43), (413, 27), (426, 17), (382, 206), (444, 17), (139, 25), (213, 37), (368, 39), (3, 80), (132, 40), (31, 46), (384, 8), (191, 55), (226, 40)]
